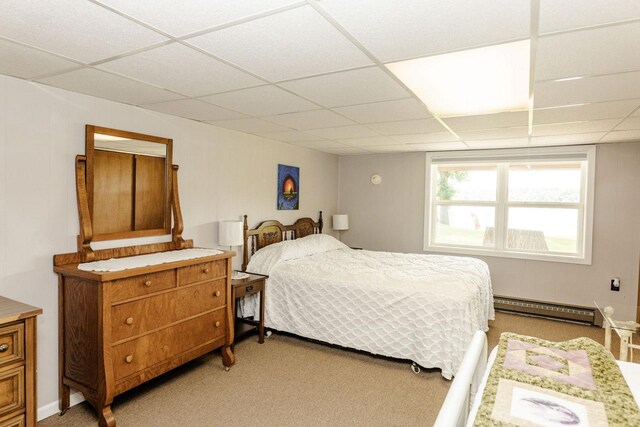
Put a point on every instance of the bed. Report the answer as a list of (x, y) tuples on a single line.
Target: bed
[(422, 308), (466, 400)]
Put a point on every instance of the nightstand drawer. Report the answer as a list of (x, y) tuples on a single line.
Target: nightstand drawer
[(200, 272), (11, 344), (249, 288), (11, 389), (149, 350), (133, 318), (142, 285)]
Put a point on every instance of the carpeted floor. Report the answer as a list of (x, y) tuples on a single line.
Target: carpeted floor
[(290, 381)]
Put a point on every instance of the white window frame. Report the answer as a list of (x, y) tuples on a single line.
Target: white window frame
[(502, 204)]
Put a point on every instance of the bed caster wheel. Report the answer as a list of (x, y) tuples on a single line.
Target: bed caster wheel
[(227, 369), (415, 368), (267, 334)]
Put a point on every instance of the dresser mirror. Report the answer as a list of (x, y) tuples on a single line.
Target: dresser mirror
[(128, 182)]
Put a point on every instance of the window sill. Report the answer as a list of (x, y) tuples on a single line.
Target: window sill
[(515, 255)]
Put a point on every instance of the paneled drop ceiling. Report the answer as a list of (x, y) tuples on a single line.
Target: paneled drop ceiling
[(311, 73)]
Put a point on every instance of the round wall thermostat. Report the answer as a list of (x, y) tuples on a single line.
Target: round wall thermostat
[(376, 179)]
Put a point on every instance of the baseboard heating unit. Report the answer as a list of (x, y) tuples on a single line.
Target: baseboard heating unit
[(586, 315)]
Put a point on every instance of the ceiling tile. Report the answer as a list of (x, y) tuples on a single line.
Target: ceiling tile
[(498, 143), (79, 30), (441, 146), (632, 123), (104, 85), (596, 111), (486, 121), (495, 133), (625, 135), (593, 89), (589, 52), (402, 109), (558, 15), (343, 132), (397, 29), (348, 87), (397, 148), (407, 127), (194, 109), (26, 63), (345, 151), (250, 125), (310, 119), (426, 137), (637, 112), (289, 136), (373, 140), (181, 18), (319, 144), (261, 101), (575, 127), (304, 44), (582, 138), (165, 67)]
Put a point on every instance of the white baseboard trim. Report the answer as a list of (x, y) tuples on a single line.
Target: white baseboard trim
[(54, 407)]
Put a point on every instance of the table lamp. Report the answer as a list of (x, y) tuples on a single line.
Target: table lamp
[(340, 222), (231, 233)]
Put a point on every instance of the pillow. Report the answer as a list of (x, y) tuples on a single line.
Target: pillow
[(317, 243), (266, 258)]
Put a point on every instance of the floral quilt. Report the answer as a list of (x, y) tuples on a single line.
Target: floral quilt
[(534, 382)]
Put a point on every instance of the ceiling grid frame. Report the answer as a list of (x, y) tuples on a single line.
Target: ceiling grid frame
[(594, 22)]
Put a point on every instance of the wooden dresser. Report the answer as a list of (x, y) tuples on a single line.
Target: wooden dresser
[(17, 363), (120, 329)]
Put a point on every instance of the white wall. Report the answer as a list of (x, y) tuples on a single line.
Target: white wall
[(389, 217), (223, 174)]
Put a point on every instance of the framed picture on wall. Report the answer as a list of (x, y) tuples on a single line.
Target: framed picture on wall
[(288, 187)]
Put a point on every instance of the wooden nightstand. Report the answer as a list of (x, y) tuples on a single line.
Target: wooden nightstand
[(243, 287)]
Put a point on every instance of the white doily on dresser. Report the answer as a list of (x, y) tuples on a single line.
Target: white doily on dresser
[(119, 264)]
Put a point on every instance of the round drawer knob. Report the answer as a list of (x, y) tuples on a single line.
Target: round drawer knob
[(206, 271), (4, 347), (216, 293), (147, 283), (128, 359), (217, 324), (129, 321)]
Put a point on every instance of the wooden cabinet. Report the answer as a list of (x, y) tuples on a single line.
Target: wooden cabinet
[(120, 329), (17, 363)]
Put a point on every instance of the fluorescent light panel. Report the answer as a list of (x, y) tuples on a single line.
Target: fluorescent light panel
[(486, 80)]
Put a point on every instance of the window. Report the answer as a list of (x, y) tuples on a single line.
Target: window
[(532, 204)]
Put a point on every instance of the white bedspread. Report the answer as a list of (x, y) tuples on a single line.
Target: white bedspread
[(425, 308)]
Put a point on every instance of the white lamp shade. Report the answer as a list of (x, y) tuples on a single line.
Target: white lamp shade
[(230, 233), (341, 222)]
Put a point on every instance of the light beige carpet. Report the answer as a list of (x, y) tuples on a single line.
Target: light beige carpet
[(290, 381)]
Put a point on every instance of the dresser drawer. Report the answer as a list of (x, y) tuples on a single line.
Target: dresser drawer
[(142, 285), (136, 355), (14, 422), (11, 389), (134, 318), (11, 344), (201, 272)]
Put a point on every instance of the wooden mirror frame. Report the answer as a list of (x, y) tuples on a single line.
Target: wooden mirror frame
[(85, 252)]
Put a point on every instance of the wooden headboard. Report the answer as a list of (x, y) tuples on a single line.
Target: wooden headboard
[(272, 231)]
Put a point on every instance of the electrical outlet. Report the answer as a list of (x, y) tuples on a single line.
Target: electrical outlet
[(615, 284)]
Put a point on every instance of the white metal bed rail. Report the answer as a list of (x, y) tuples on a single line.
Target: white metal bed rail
[(455, 409)]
